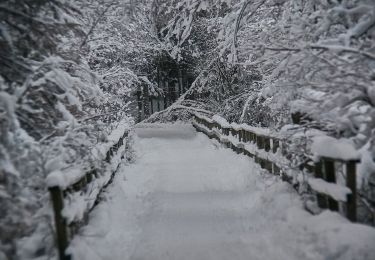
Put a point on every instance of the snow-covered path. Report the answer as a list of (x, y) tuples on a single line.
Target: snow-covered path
[(186, 198)]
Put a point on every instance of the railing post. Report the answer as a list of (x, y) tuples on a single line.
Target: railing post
[(324, 169), (268, 165), (330, 176), (267, 143), (256, 158), (283, 149), (60, 223), (275, 145), (275, 169), (321, 199), (260, 142), (351, 207)]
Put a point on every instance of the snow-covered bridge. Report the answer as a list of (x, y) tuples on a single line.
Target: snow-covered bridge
[(187, 197)]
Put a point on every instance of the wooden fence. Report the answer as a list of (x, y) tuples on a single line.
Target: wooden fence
[(65, 231), (266, 146)]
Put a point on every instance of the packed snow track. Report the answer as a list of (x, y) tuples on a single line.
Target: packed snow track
[(184, 197)]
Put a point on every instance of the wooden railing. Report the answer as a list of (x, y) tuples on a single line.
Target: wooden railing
[(325, 169), (269, 151), (60, 194)]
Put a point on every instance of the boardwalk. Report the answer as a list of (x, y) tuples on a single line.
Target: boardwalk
[(186, 198)]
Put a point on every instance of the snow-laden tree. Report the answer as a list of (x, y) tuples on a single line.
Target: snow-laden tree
[(67, 73), (276, 62)]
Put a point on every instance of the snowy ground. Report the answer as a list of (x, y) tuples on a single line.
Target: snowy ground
[(185, 197)]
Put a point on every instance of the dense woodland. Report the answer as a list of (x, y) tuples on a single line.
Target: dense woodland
[(71, 70)]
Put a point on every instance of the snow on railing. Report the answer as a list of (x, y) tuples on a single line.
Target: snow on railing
[(269, 150), (75, 192)]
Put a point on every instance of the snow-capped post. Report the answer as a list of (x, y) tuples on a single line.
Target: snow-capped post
[(71, 197), (62, 240), (321, 199), (330, 176), (329, 151), (351, 207)]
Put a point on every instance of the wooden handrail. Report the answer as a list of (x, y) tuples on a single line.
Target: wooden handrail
[(268, 144), (65, 231)]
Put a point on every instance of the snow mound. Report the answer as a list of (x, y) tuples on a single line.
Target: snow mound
[(64, 179), (340, 149), (334, 190)]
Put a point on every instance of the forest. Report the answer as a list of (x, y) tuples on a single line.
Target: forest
[(72, 72)]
